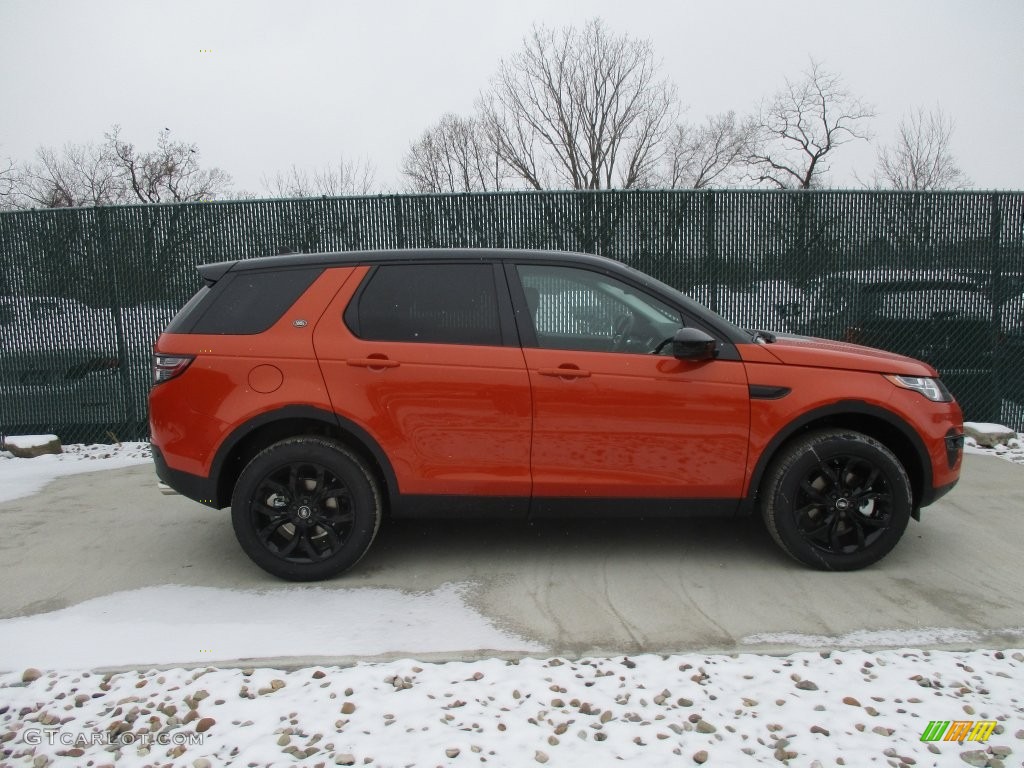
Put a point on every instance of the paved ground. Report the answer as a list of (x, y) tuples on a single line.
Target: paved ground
[(578, 588)]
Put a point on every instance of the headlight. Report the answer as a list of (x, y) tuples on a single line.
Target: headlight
[(933, 389)]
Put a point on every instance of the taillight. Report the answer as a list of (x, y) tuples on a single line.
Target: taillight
[(166, 367)]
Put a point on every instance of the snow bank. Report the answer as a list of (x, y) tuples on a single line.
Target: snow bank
[(24, 477), (29, 441), (175, 624), (808, 709)]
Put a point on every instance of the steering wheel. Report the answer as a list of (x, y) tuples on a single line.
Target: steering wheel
[(621, 329)]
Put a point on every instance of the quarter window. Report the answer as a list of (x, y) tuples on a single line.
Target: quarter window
[(429, 303), (247, 302)]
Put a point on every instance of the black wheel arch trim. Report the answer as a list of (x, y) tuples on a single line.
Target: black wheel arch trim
[(843, 408), (288, 413)]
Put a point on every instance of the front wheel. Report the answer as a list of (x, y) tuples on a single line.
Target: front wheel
[(836, 500), (306, 509)]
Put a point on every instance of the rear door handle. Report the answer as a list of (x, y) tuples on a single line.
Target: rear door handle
[(378, 363), (565, 372)]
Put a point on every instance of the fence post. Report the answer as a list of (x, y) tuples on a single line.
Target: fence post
[(710, 250), (590, 217), (997, 298), (400, 239), (113, 294)]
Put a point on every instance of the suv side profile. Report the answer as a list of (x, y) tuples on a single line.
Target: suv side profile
[(316, 393)]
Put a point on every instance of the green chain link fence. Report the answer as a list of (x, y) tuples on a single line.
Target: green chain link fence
[(84, 292)]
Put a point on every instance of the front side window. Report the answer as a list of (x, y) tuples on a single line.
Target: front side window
[(582, 310), (429, 303)]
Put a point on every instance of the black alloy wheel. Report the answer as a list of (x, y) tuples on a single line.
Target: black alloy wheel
[(843, 505), (306, 509), (302, 512), (837, 500)]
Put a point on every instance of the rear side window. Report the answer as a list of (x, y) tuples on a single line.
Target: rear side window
[(244, 303), (429, 303)]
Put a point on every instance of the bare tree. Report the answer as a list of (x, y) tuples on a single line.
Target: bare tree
[(801, 126), (580, 108), (348, 177), (7, 181), (76, 175), (699, 156), (169, 173), (455, 155), (920, 158), (113, 173)]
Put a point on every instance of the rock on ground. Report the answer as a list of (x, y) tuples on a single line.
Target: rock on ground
[(989, 435), (30, 446)]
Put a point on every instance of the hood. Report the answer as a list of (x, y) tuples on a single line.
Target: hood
[(825, 353)]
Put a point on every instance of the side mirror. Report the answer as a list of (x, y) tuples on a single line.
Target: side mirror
[(693, 344)]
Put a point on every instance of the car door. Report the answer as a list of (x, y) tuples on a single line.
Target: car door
[(424, 358), (615, 415)]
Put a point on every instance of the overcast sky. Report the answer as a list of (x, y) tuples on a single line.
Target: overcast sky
[(259, 86)]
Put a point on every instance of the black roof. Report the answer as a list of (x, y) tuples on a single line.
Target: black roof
[(340, 258)]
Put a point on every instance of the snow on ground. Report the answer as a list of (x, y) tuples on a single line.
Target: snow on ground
[(29, 441), (23, 477), (177, 624), (830, 708), (842, 708), (888, 638), (144, 627), (1012, 450)]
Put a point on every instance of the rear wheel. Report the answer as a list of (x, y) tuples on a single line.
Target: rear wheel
[(306, 509), (837, 500)]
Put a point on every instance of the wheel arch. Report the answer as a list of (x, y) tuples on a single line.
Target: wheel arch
[(292, 421), (883, 425)]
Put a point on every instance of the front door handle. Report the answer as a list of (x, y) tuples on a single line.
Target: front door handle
[(372, 362), (567, 371)]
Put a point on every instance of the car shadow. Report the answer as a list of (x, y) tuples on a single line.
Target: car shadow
[(469, 545)]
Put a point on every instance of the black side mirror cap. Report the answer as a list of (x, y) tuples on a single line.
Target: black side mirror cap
[(693, 344)]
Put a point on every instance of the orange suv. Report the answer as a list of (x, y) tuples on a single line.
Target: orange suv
[(316, 393)]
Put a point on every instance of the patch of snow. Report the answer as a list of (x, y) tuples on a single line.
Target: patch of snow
[(863, 708), (177, 624), (23, 477), (1012, 451), (893, 638), (25, 442), (986, 428)]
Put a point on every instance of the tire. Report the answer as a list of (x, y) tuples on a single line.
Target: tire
[(306, 509), (836, 500)]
